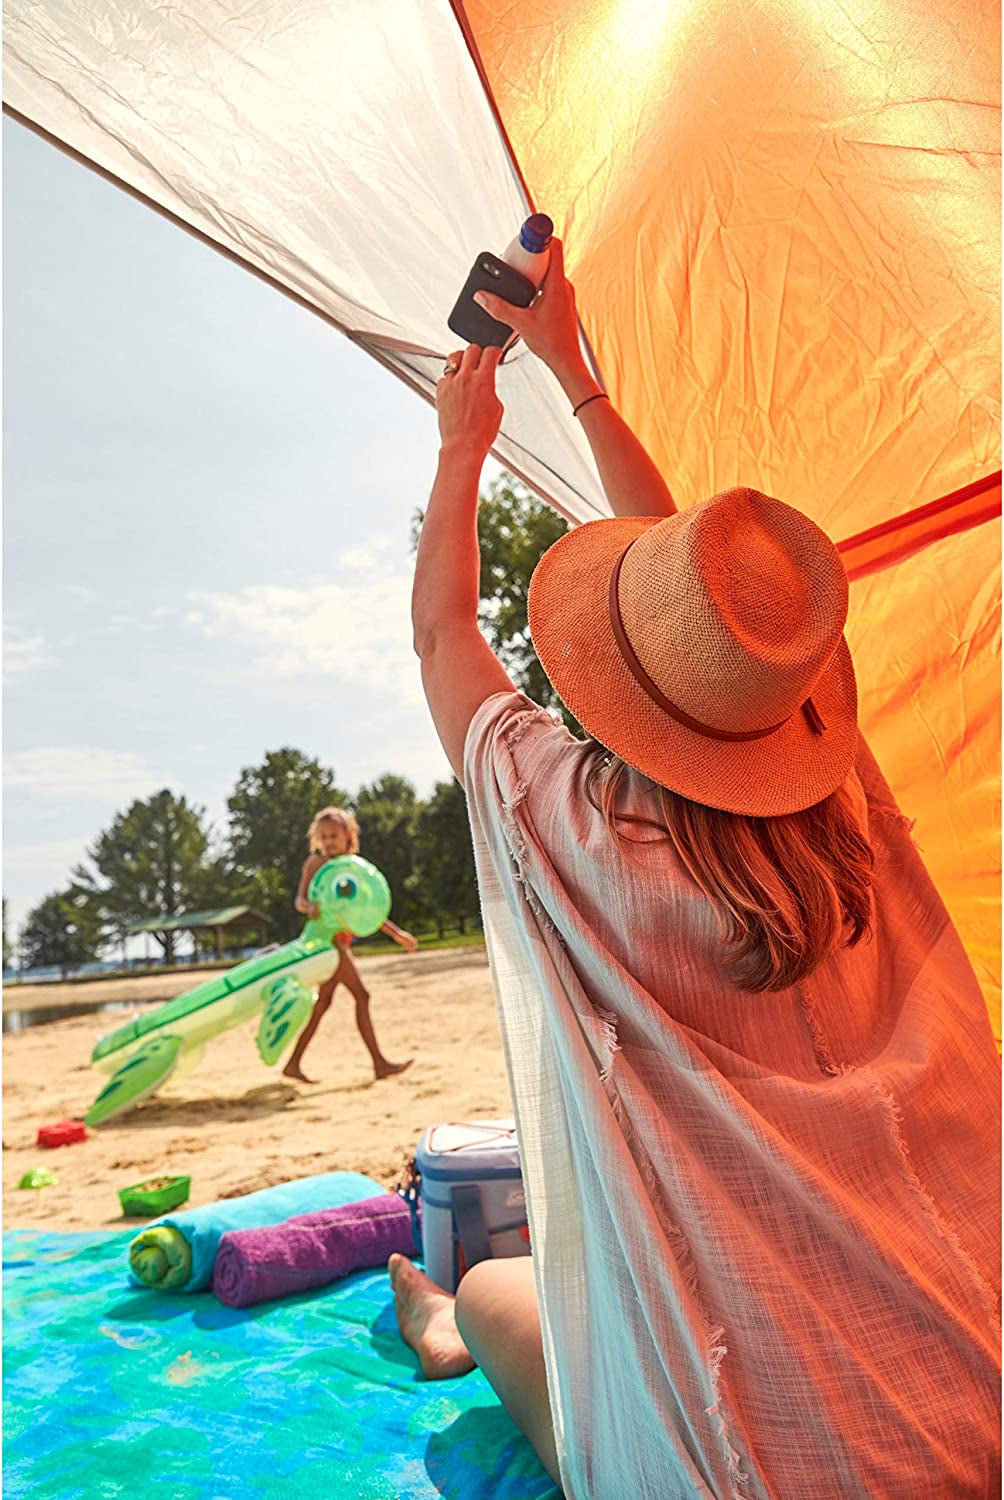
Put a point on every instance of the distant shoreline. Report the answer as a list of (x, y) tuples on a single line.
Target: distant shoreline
[(85, 993)]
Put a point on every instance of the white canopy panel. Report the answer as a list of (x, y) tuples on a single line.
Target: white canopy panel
[(345, 152)]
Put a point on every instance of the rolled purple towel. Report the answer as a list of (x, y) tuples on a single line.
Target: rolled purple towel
[(257, 1265)]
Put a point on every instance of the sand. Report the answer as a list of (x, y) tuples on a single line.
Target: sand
[(234, 1125)]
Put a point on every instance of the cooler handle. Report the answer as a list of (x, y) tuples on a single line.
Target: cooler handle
[(470, 1222), (411, 1191)]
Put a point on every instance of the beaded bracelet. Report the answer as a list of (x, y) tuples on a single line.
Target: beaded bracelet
[(600, 396)]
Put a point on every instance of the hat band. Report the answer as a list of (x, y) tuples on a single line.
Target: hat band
[(659, 698)]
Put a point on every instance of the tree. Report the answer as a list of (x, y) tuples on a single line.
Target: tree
[(147, 864), (62, 929), (515, 529), (387, 812), (271, 809), (7, 952), (445, 857)]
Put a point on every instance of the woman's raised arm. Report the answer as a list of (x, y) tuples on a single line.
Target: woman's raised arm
[(549, 328), (459, 668)]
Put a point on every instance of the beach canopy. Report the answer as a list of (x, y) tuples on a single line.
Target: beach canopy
[(189, 921), (199, 921), (782, 222)]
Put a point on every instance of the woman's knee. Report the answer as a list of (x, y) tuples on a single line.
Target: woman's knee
[(475, 1292), (496, 1293)]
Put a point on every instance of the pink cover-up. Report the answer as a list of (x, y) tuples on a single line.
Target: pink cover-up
[(765, 1227)]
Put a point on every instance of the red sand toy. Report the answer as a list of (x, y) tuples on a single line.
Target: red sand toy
[(64, 1133)]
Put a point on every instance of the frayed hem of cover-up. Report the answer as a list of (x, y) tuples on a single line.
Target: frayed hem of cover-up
[(517, 848), (713, 1337), (717, 1350), (521, 722), (825, 1060), (608, 1040), (894, 1118), (894, 816)]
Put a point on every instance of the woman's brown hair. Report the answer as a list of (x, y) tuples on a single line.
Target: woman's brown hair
[(787, 891)]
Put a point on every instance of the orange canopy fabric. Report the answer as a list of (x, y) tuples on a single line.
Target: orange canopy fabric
[(782, 222)]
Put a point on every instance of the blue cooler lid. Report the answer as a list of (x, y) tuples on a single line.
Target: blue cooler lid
[(468, 1150)]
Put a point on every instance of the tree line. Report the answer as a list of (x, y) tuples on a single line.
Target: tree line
[(160, 856)]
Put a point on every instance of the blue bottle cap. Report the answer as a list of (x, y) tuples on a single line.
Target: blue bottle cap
[(535, 235)]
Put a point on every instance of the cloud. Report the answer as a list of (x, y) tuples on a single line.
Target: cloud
[(78, 774), (22, 653), (51, 860), (355, 559), (354, 632)]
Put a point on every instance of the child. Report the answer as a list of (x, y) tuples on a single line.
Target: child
[(334, 832)]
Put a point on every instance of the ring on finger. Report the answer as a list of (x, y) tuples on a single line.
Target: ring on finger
[(449, 369)]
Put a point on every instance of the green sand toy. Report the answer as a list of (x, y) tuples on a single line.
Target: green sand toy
[(353, 897), (156, 1196), (38, 1177)]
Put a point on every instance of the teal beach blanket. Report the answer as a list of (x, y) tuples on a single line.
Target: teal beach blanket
[(113, 1392)]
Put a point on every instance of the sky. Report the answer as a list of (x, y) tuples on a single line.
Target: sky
[(207, 503)]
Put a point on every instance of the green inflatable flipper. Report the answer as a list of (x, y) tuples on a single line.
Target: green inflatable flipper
[(288, 1005), (145, 1070), (161, 1257)]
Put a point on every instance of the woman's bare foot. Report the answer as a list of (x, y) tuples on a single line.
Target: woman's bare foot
[(292, 1070), (388, 1069), (425, 1318)]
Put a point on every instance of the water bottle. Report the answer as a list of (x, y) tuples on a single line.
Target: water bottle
[(530, 252)]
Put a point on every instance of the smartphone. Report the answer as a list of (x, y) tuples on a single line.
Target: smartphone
[(488, 274)]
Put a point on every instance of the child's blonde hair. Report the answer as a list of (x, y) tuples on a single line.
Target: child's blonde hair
[(345, 821)]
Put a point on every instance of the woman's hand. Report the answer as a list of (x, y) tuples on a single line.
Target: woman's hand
[(470, 413), (408, 940), (548, 327), (311, 910)]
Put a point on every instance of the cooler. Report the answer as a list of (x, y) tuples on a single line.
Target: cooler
[(473, 1205)]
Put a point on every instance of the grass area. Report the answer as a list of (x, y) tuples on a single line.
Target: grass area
[(425, 944)]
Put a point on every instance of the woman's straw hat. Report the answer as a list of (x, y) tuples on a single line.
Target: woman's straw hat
[(706, 649)]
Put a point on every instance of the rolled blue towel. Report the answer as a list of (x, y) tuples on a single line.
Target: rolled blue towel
[(177, 1252)]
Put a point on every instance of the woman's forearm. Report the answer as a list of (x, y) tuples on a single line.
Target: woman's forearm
[(448, 563), (631, 481), (550, 328)]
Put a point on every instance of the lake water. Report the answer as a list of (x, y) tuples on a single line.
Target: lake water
[(20, 1020)]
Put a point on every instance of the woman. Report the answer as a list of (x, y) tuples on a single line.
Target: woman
[(754, 1082)]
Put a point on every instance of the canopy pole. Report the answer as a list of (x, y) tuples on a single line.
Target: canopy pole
[(901, 536)]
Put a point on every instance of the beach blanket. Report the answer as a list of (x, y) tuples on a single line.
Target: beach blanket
[(258, 1265), (110, 1392), (177, 1252)]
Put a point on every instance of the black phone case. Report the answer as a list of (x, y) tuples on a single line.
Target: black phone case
[(488, 274)]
